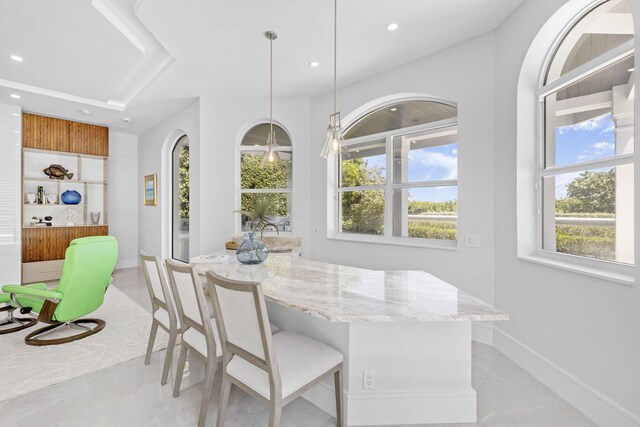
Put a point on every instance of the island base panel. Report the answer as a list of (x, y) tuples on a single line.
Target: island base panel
[(422, 369)]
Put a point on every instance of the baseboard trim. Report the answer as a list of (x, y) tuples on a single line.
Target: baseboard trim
[(127, 263), (390, 408), (604, 411), (482, 332)]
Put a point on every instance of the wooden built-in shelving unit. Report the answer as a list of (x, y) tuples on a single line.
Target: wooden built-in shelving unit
[(82, 149)]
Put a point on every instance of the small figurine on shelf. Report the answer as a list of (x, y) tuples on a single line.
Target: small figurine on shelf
[(40, 194)]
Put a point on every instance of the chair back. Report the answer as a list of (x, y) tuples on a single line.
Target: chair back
[(88, 265), (242, 321), (190, 301), (159, 291)]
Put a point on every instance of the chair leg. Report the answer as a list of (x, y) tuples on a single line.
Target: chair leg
[(206, 393), (275, 411), (152, 339), (225, 390), (337, 380), (171, 345), (182, 359)]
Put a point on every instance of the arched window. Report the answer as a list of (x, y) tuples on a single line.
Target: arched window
[(586, 117), (266, 181), (400, 177), (180, 200)]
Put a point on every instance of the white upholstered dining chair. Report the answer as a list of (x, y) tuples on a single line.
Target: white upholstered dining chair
[(273, 369), (164, 314), (199, 331)]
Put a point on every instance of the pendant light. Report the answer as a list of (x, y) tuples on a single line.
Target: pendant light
[(271, 155), (335, 141)]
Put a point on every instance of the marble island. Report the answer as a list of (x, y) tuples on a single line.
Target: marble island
[(409, 329), (339, 293)]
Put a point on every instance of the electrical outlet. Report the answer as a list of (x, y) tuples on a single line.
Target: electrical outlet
[(317, 231), (369, 380), (473, 240)]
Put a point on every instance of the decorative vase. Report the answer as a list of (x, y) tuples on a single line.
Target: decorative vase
[(252, 251), (71, 197), (95, 218)]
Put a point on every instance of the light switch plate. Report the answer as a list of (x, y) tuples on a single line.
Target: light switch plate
[(473, 240)]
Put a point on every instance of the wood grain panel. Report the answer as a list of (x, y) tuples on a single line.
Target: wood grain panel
[(50, 243), (89, 139), (45, 133)]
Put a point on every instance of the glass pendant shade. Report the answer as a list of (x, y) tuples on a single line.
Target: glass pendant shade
[(335, 142), (271, 155)]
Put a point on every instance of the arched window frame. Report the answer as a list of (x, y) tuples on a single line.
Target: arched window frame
[(531, 143), (239, 190), (333, 170)]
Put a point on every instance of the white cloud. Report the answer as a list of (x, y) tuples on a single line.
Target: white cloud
[(597, 151), (589, 125), (604, 146), (431, 160)]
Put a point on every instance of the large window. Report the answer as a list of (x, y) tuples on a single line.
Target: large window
[(180, 200), (399, 179), (586, 145), (261, 180)]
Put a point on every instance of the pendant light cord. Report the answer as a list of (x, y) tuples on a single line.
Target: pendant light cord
[(271, 84), (335, 56)]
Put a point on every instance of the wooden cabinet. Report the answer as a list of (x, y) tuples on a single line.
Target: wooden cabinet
[(89, 139), (50, 243), (45, 133), (49, 133)]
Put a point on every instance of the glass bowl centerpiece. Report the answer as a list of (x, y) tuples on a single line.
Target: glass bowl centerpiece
[(253, 250)]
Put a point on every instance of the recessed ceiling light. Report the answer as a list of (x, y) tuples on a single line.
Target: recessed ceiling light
[(314, 64), (14, 96), (16, 58), (631, 70), (392, 27), (394, 109), (85, 111), (15, 114)]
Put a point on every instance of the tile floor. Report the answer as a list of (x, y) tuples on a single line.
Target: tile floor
[(129, 394)]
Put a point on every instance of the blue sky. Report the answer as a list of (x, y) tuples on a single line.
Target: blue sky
[(589, 140), (429, 164)]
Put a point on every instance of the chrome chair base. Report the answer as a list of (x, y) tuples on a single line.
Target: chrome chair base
[(20, 322)]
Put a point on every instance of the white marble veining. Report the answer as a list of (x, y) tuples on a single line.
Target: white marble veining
[(338, 293)]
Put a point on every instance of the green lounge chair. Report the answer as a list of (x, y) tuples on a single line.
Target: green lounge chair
[(88, 265)]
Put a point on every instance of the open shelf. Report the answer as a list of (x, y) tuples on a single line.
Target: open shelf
[(53, 204), (64, 181), (65, 226)]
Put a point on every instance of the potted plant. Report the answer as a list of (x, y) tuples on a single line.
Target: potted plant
[(253, 250)]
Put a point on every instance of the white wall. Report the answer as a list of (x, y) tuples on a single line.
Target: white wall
[(215, 128), (151, 143), (124, 196), (463, 74), (10, 195), (578, 334), (223, 124)]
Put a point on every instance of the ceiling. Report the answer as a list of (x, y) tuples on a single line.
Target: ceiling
[(145, 59)]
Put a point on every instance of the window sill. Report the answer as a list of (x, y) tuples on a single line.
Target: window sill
[(449, 245), (591, 271)]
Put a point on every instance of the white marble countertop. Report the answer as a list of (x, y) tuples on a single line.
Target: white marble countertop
[(338, 293)]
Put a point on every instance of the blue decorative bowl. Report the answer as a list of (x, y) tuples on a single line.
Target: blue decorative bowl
[(71, 197)]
